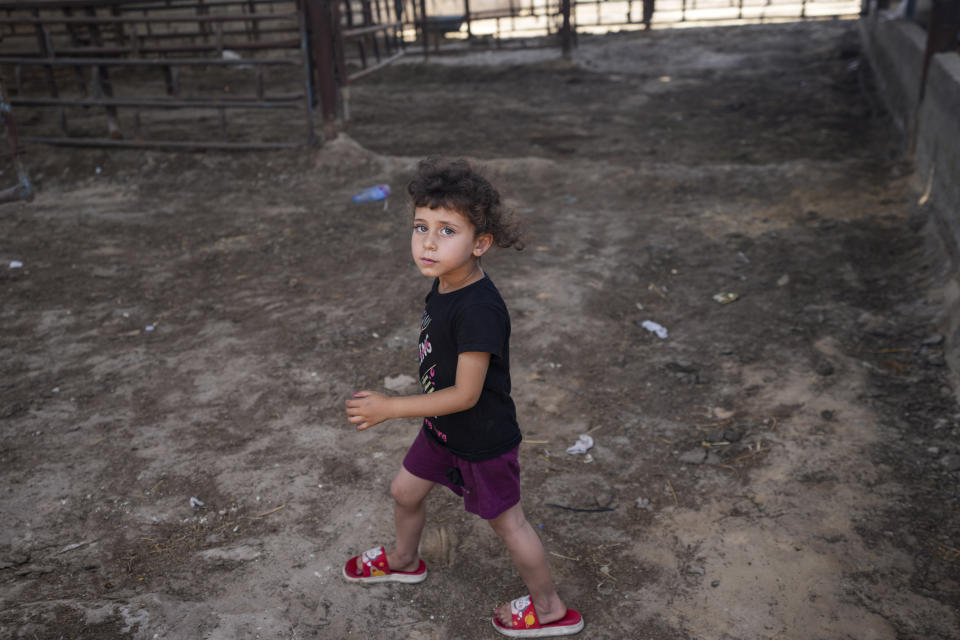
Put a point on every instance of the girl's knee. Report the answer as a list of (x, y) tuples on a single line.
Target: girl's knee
[(407, 490), (509, 522), (401, 494)]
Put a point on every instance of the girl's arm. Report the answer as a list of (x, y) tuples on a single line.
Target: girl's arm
[(368, 408)]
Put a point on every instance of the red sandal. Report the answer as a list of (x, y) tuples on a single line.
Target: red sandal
[(376, 569), (526, 625)]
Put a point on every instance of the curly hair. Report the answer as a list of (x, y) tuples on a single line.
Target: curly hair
[(454, 185)]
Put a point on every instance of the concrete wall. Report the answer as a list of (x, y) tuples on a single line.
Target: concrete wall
[(937, 156), (895, 50)]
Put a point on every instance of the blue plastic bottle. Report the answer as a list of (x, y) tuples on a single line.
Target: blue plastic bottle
[(373, 194)]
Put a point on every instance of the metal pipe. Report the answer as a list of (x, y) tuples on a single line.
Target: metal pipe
[(254, 24), (151, 19), (311, 138), (102, 84), (268, 102), (215, 5), (565, 30), (418, 24), (125, 5), (359, 31), (340, 65), (161, 144), (423, 30), (126, 62), (184, 35), (75, 41), (368, 19), (194, 48), (365, 72), (43, 45), (118, 29)]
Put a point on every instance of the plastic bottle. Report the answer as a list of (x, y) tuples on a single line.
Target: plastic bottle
[(373, 194)]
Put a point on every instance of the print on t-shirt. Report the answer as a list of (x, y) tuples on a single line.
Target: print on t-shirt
[(425, 346), (427, 380)]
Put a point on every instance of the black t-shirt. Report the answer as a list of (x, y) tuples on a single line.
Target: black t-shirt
[(473, 318)]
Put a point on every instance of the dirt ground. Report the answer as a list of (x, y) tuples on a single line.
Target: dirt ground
[(178, 344)]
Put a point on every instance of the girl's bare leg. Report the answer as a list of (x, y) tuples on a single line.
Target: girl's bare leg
[(409, 513), (528, 556)]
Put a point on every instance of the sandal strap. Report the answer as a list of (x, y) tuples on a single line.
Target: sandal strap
[(375, 562), (523, 615)]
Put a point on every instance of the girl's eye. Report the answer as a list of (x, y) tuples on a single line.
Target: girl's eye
[(420, 228), (447, 231)]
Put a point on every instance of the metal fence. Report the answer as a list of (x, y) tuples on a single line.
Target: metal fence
[(508, 20), (225, 74), (253, 74), (148, 73), (615, 13)]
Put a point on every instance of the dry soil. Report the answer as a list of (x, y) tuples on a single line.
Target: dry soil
[(178, 344)]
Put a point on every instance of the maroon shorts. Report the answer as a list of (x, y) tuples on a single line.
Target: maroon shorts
[(489, 487)]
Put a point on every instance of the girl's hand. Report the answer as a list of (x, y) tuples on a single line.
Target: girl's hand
[(368, 408)]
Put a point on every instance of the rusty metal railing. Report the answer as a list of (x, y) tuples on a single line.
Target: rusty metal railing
[(352, 39), (374, 30), (175, 73), (132, 62)]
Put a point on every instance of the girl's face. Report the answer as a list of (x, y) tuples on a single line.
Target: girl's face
[(445, 246)]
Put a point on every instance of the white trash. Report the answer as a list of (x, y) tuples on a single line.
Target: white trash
[(653, 327), (582, 445)]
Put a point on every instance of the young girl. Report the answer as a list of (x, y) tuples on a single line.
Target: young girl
[(470, 437)]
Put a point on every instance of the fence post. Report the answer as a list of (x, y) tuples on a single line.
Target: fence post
[(339, 64), (309, 84), (466, 16), (321, 44), (565, 30), (423, 31)]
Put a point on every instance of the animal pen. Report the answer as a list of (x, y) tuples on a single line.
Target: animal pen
[(266, 74), (223, 74)]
